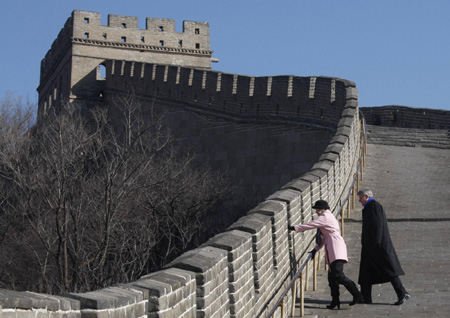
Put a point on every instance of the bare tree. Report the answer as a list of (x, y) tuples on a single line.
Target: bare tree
[(98, 197)]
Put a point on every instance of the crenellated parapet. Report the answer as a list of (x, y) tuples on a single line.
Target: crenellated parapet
[(194, 37), (309, 100)]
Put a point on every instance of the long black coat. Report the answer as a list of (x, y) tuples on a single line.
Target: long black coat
[(379, 262)]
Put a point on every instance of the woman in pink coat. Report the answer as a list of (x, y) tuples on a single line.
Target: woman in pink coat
[(335, 252)]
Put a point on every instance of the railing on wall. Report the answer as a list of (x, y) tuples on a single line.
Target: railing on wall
[(302, 275)]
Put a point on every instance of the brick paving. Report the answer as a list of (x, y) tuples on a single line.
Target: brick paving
[(413, 185)]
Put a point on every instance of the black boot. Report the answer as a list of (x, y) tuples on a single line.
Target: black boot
[(351, 287), (334, 287), (334, 302)]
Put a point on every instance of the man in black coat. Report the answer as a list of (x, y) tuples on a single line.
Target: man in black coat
[(379, 262)]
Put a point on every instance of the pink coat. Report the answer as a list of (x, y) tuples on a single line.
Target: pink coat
[(335, 248)]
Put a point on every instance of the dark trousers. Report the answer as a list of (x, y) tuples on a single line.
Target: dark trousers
[(336, 276), (366, 289)]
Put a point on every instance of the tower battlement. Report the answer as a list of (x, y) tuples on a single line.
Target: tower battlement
[(157, 32), (83, 44)]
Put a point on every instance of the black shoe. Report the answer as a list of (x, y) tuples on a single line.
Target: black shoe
[(401, 301), (334, 303)]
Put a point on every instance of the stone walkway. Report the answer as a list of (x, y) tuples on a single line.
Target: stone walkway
[(413, 185)]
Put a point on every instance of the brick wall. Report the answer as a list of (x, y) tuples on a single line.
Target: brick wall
[(241, 272)]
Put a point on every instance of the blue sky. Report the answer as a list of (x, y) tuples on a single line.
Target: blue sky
[(396, 51)]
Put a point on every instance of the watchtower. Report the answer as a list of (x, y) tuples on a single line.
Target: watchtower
[(73, 68)]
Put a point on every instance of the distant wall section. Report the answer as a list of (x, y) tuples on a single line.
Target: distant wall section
[(407, 117)]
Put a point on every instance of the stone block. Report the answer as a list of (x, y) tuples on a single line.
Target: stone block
[(204, 261), (345, 122), (210, 266), (252, 223), (349, 112), (29, 300), (340, 139), (351, 93), (292, 200), (343, 131), (334, 148), (234, 241), (99, 299), (351, 103), (323, 165)]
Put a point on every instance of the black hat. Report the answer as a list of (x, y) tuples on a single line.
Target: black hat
[(321, 204)]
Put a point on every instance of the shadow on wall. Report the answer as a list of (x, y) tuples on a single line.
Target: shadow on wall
[(258, 158)]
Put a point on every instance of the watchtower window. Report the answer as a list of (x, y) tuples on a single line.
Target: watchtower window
[(161, 28), (101, 72), (105, 36), (161, 43), (86, 35), (123, 39), (86, 20), (180, 43), (197, 45), (124, 25), (197, 31), (142, 39)]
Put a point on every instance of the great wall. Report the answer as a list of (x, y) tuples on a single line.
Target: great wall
[(314, 123)]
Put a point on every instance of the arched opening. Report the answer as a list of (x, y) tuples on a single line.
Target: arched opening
[(101, 72)]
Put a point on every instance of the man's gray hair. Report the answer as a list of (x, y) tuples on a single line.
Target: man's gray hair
[(367, 192)]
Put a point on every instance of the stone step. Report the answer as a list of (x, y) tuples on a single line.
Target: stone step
[(410, 137), (418, 138)]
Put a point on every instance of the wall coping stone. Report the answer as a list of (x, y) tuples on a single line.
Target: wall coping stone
[(344, 131), (352, 93), (345, 122), (335, 147), (100, 299), (229, 240), (62, 303), (323, 165), (330, 156), (285, 195), (175, 282), (127, 295), (340, 139), (268, 208), (251, 223), (347, 82), (298, 184), (351, 103), (349, 112), (151, 287), (29, 300), (310, 177), (199, 260)]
